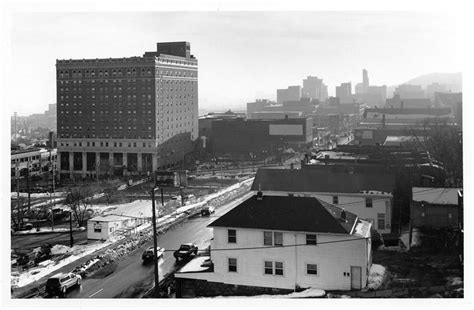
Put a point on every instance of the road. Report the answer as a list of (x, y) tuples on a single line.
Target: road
[(131, 277), (31, 241)]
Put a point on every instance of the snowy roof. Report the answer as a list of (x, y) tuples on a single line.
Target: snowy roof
[(138, 208), (109, 218), (195, 265), (439, 196)]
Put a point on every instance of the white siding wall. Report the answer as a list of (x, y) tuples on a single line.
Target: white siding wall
[(108, 228), (356, 205), (333, 259)]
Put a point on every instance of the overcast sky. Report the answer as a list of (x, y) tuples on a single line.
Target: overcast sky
[(242, 56)]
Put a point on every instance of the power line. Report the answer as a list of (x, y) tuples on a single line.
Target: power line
[(301, 244)]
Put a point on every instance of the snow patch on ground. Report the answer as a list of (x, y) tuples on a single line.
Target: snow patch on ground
[(44, 230), (308, 293), (29, 276), (377, 275)]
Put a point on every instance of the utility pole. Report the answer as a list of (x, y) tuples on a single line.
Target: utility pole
[(28, 183), (52, 200), (155, 241), (17, 173), (71, 239)]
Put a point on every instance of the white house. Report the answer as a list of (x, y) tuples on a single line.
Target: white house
[(279, 243), (368, 194), (119, 219), (103, 227)]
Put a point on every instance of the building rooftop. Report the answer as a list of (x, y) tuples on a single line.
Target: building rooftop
[(324, 179), (303, 214), (439, 196)]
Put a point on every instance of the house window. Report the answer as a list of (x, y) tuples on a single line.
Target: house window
[(267, 238), (368, 202), (311, 239), (381, 220), (312, 269), (273, 268), (232, 236), (278, 239), (278, 268), (268, 267), (335, 200), (232, 264)]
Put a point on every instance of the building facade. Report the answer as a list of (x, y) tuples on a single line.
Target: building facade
[(320, 247), (314, 88), (127, 115), (292, 93), (240, 138)]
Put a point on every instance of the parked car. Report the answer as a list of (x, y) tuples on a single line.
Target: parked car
[(186, 250), (207, 210), (61, 282), (148, 254)]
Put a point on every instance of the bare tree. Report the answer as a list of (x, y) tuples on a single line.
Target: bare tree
[(79, 201), (19, 208)]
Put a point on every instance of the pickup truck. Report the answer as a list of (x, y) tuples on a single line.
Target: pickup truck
[(186, 250), (148, 254)]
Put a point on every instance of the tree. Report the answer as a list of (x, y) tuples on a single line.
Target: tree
[(79, 201), (445, 145), (109, 190), (19, 208)]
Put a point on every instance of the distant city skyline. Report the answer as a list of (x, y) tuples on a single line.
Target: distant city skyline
[(241, 55)]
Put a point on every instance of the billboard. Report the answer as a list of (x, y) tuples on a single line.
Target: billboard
[(171, 178), (286, 130)]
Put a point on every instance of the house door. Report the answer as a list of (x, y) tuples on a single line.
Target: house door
[(356, 278)]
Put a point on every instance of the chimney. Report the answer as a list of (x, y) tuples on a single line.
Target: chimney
[(343, 215)]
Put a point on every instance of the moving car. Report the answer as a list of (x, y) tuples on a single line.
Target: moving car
[(186, 250), (148, 254), (207, 210), (61, 282)]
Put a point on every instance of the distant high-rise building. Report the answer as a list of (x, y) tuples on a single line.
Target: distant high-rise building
[(127, 115), (314, 88), (365, 79), (370, 95), (292, 93), (407, 91), (344, 92)]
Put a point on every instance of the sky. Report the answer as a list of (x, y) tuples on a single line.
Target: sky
[(242, 55)]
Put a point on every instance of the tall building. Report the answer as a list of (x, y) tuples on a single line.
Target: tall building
[(314, 88), (292, 93), (367, 94), (344, 92), (365, 79), (409, 91), (127, 115)]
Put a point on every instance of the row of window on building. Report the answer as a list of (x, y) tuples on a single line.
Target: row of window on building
[(159, 82), (89, 73), (106, 144), (272, 267), (271, 238)]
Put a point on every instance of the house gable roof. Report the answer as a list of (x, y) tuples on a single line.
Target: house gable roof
[(306, 214)]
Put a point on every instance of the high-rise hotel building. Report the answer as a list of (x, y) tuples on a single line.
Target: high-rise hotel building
[(127, 115)]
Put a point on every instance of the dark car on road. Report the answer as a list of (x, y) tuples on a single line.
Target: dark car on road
[(148, 254), (185, 251), (61, 282)]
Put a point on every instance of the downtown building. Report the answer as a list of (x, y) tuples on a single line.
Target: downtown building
[(127, 116)]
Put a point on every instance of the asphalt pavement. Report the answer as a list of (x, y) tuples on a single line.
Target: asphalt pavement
[(131, 277)]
